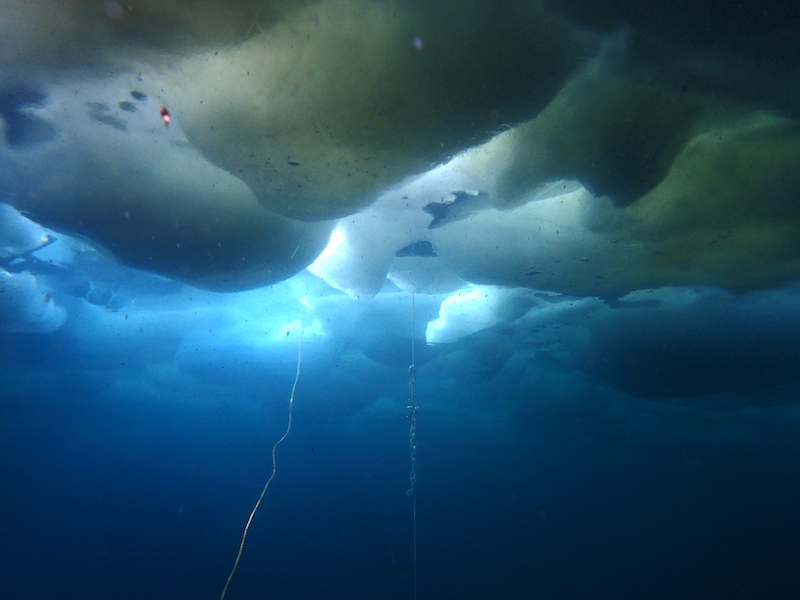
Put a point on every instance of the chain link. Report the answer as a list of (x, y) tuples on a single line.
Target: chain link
[(413, 414)]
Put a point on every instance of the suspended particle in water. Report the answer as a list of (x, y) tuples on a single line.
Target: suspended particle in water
[(113, 10)]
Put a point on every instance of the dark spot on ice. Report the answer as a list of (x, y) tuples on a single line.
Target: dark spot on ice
[(22, 128), (421, 248), (100, 113)]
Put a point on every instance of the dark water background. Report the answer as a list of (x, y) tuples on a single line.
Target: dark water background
[(144, 495)]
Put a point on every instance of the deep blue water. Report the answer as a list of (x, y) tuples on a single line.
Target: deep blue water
[(146, 497)]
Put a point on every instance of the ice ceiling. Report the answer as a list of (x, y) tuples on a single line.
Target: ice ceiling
[(526, 164), (570, 147)]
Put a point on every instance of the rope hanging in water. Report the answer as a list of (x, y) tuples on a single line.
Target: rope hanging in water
[(413, 414), (274, 469)]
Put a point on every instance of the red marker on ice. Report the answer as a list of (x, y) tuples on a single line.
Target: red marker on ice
[(165, 116)]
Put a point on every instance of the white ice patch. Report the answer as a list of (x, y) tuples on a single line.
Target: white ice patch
[(474, 308), (18, 234), (24, 307)]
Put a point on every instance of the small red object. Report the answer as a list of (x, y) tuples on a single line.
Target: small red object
[(165, 116)]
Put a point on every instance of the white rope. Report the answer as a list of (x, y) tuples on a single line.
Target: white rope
[(274, 469)]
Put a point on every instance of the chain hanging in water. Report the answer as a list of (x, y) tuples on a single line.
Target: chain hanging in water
[(413, 407), (413, 415)]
